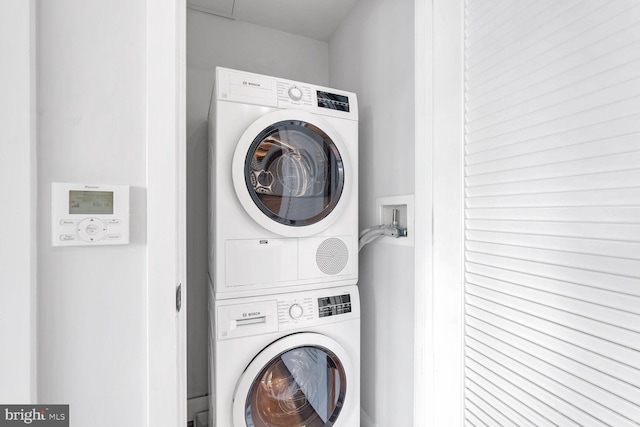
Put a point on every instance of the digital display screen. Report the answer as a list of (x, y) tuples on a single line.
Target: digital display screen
[(331, 306), (333, 101), (91, 202)]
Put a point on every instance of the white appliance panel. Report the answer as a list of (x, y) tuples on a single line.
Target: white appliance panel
[(236, 267), (248, 334), (260, 261)]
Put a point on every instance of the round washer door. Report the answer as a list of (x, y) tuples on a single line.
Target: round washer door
[(291, 173), (301, 380)]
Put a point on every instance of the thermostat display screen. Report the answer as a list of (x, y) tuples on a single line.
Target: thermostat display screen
[(91, 202)]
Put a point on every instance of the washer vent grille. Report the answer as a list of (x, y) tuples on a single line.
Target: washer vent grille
[(332, 256)]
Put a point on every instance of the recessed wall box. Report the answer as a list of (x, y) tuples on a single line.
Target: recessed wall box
[(405, 216), (89, 215)]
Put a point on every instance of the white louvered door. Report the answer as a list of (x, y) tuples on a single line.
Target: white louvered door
[(552, 213)]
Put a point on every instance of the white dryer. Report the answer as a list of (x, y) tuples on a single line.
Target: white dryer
[(283, 185), (287, 360)]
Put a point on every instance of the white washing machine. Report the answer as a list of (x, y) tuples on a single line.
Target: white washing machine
[(286, 360), (283, 185)]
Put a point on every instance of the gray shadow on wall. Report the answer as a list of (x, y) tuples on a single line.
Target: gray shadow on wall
[(197, 261)]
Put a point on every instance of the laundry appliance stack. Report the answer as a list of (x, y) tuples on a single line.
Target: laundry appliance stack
[(284, 335)]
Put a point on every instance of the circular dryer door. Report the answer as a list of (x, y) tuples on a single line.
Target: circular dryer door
[(301, 380), (290, 172)]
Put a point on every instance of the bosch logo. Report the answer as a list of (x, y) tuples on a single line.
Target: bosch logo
[(251, 314), (246, 83)]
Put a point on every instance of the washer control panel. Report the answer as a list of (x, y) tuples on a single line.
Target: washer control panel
[(295, 309), (89, 215), (334, 305), (316, 306)]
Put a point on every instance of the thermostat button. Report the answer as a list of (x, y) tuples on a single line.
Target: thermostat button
[(92, 229)]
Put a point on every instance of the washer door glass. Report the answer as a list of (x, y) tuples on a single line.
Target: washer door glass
[(294, 173), (304, 386)]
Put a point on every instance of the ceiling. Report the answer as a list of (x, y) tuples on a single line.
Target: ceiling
[(317, 19)]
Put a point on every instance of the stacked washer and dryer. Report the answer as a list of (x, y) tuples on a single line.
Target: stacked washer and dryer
[(284, 333)]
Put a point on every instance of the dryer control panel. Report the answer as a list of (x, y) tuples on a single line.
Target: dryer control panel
[(294, 94), (257, 89), (333, 101)]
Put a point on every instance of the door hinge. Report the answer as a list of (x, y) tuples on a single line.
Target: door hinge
[(179, 297)]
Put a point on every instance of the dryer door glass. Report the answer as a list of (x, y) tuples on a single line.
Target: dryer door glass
[(294, 173), (304, 386)]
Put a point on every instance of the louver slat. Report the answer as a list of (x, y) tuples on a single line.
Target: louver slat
[(552, 213)]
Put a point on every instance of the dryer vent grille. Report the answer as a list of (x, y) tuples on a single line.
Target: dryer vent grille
[(332, 256)]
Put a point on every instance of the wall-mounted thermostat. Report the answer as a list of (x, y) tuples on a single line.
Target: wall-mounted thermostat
[(89, 215)]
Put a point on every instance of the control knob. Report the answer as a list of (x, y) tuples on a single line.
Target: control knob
[(295, 93), (296, 311)]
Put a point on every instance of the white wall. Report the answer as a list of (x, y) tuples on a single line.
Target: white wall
[(448, 192), (17, 190), (166, 212), (214, 41), (423, 392), (92, 302), (372, 54)]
